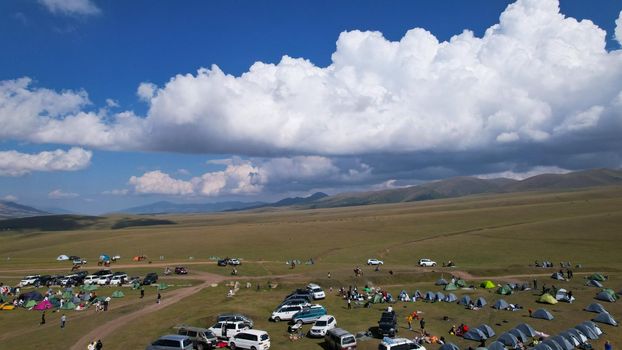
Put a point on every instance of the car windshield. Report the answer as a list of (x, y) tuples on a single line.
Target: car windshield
[(348, 340), (320, 323), (264, 337)]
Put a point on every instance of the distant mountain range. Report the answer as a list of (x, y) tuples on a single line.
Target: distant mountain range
[(13, 210), (448, 188)]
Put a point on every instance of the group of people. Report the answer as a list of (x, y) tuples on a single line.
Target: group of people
[(95, 345)]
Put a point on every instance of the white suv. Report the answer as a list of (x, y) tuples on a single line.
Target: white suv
[(322, 325), (250, 339), (399, 344), (285, 312), (226, 329), (104, 279), (90, 279), (28, 280), (117, 280), (374, 262), (317, 291), (426, 262)]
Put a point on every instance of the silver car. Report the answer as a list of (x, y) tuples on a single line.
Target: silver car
[(172, 342)]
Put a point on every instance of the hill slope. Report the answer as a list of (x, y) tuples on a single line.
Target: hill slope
[(9, 210), (169, 207)]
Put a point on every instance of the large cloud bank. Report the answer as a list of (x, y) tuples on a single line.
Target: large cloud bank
[(13, 163)]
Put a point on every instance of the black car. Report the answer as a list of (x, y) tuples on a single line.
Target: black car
[(223, 262), (43, 280), (180, 270), (56, 280), (151, 278), (387, 325)]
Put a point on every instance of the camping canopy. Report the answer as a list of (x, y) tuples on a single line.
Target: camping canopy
[(486, 329), (461, 283), (451, 286), (32, 295), (606, 318), (597, 277), (449, 346), (439, 296), (62, 257), (581, 338), (501, 305), (450, 298), (604, 296), (572, 339), (547, 298), (465, 300), (441, 282), (543, 314), (68, 306), (565, 344), (488, 284), (104, 257), (519, 335), (480, 302), (553, 344), (430, 296), (558, 276), (594, 283), (30, 303), (43, 305), (475, 334), (508, 339), (611, 292), (117, 294), (88, 287), (162, 286), (527, 329), (505, 290), (562, 295), (595, 307), (496, 345), (543, 346), (588, 332)]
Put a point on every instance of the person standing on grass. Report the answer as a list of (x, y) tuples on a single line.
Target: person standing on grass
[(422, 324), (159, 298), (608, 345), (43, 317), (349, 304), (535, 284), (142, 292), (99, 345), (63, 320), (409, 319)]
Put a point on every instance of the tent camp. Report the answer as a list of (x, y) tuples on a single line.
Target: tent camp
[(606, 318), (558, 276), (553, 344), (30, 303), (597, 277), (562, 295), (162, 286), (68, 306), (501, 305), (587, 331), (578, 335), (481, 302), (519, 335), (475, 334), (611, 292), (441, 282), (508, 339), (430, 296), (563, 342), (451, 286), (461, 283), (450, 298), (594, 283), (604, 296), (465, 300), (449, 346), (595, 307), (62, 257), (543, 346), (593, 326), (417, 295), (43, 305), (496, 345), (88, 287), (32, 295), (527, 329), (486, 329), (488, 284), (547, 298), (505, 290), (543, 314), (439, 296), (117, 294), (571, 338)]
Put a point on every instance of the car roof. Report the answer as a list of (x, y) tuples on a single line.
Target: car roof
[(394, 341), (254, 331), (325, 317), (174, 337)]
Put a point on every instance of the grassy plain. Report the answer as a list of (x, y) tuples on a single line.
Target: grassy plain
[(486, 235)]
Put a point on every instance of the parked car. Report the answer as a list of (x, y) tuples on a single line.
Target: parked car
[(78, 261), (235, 262), (29, 280), (43, 280), (235, 317), (316, 291), (285, 313), (227, 329), (374, 262), (250, 339), (90, 279), (339, 339), (171, 342), (180, 270), (322, 325), (223, 262), (399, 344), (118, 280), (202, 338), (426, 263), (309, 314), (150, 278), (104, 279), (387, 325), (103, 272), (292, 302)]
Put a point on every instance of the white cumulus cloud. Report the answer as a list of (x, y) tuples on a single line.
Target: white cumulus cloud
[(59, 194), (71, 7), (10, 198), (618, 30), (159, 182), (13, 163)]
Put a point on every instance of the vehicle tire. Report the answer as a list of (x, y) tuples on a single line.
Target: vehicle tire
[(232, 346), (253, 348), (299, 322), (277, 319), (434, 265)]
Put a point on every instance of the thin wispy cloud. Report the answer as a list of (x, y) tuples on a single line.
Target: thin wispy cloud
[(71, 7)]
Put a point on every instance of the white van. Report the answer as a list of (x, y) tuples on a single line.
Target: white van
[(340, 339), (91, 279), (317, 291), (399, 344), (250, 339), (285, 312), (118, 280), (227, 329)]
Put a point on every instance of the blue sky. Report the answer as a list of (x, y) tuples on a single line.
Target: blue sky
[(206, 137)]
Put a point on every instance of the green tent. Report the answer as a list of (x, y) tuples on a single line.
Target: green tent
[(68, 306), (505, 290), (597, 277), (67, 295), (488, 284), (162, 286), (88, 287), (451, 286), (611, 292), (30, 303), (461, 283), (377, 299), (117, 294), (55, 301), (102, 299), (3, 298), (135, 285), (547, 299)]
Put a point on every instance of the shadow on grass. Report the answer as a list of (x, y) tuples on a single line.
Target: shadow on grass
[(49, 223)]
